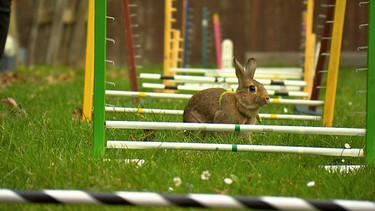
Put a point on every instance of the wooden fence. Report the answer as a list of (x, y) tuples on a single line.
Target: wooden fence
[(54, 32)]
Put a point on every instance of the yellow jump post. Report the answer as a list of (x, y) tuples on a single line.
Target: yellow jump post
[(175, 48), (172, 42), (333, 64), (309, 49), (89, 64)]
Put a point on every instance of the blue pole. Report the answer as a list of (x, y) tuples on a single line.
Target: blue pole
[(186, 25), (204, 36)]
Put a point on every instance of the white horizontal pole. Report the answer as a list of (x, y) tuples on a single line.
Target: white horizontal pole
[(189, 87), (291, 117), (143, 110), (296, 70), (188, 96), (287, 93), (236, 127), (233, 87), (180, 112), (296, 102), (352, 152), (148, 94), (278, 73), (208, 79), (277, 76), (269, 70), (278, 87)]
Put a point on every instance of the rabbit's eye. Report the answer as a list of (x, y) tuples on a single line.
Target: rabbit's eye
[(252, 88)]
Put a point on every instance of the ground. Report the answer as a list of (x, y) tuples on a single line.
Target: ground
[(42, 147)]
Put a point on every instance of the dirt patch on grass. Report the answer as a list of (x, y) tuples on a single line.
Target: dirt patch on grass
[(7, 78)]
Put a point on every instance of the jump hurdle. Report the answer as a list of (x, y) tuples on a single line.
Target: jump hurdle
[(261, 73), (197, 87), (208, 79), (268, 70), (119, 93), (180, 112), (172, 52), (208, 82)]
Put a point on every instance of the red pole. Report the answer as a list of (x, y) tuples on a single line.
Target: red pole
[(129, 46), (217, 40), (324, 47)]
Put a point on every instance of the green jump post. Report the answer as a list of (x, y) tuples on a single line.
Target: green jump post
[(99, 75), (370, 126)]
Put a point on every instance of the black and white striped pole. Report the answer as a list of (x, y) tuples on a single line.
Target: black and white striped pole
[(151, 199)]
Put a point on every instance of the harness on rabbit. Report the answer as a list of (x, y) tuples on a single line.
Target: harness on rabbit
[(222, 94), (230, 91)]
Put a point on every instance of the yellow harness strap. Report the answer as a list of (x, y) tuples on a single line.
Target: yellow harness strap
[(230, 91), (222, 94)]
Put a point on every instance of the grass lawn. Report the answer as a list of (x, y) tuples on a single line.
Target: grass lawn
[(41, 147)]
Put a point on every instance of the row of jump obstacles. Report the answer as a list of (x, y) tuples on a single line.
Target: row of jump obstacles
[(99, 121), (172, 50), (174, 54), (188, 96), (99, 146)]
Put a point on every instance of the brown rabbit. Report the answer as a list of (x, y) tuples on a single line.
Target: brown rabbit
[(217, 105)]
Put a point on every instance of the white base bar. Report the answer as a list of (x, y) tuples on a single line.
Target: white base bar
[(236, 148)]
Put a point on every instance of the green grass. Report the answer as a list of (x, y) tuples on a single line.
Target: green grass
[(46, 149)]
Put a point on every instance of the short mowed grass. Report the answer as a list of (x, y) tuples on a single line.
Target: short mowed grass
[(47, 149)]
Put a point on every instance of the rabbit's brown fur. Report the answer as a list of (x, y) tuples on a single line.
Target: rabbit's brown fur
[(216, 105)]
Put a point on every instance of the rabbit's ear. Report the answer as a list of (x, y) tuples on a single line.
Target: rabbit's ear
[(240, 70), (250, 68)]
